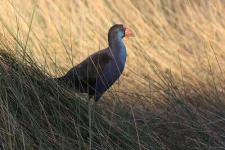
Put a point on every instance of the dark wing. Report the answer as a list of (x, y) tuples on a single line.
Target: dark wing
[(89, 70), (92, 66)]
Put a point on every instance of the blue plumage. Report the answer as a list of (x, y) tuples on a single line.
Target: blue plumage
[(100, 70)]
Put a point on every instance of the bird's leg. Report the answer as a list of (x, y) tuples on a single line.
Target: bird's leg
[(88, 100), (90, 121), (89, 97)]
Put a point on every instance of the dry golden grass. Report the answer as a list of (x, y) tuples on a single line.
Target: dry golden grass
[(184, 39)]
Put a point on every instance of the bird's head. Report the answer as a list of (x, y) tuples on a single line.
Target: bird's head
[(120, 31)]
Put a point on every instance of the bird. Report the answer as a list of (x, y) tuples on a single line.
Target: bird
[(99, 71)]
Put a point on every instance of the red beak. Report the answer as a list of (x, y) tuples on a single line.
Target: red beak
[(128, 32)]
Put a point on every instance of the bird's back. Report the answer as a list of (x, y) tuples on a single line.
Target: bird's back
[(83, 76)]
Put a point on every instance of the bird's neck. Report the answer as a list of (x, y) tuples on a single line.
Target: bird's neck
[(117, 48), (118, 53)]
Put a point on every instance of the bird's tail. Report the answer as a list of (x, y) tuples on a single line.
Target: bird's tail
[(60, 80), (65, 81)]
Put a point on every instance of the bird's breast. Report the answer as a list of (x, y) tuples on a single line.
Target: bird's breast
[(116, 66), (118, 59)]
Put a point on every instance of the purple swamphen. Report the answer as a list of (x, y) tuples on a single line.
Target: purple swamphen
[(100, 70)]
